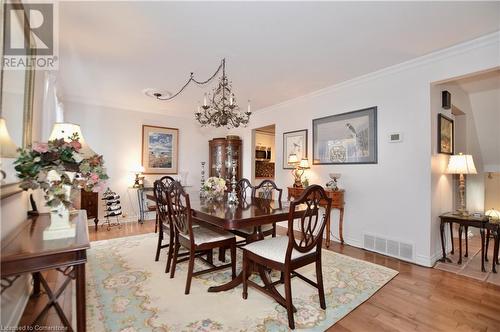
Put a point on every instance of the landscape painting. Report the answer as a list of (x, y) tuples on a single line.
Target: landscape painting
[(347, 138), (159, 150)]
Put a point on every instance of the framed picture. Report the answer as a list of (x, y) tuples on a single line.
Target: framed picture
[(348, 138), (160, 150), (445, 135), (294, 142)]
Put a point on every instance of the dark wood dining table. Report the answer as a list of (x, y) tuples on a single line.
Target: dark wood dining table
[(252, 212)]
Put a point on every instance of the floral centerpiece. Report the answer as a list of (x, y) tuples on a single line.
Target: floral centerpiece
[(60, 170), (214, 188)]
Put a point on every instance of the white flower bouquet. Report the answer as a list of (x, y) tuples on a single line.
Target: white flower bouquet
[(214, 187)]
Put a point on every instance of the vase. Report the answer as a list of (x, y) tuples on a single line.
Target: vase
[(214, 196), (60, 227)]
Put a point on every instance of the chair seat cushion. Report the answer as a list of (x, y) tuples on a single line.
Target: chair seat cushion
[(204, 235), (274, 249), (249, 230)]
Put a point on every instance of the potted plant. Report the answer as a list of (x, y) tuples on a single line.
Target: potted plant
[(60, 170)]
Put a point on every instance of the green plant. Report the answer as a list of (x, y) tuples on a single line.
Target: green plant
[(56, 167)]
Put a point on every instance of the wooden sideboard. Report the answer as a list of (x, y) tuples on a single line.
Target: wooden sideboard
[(89, 203), (337, 203), (26, 251)]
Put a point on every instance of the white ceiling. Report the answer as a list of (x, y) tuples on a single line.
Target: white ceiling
[(275, 51)]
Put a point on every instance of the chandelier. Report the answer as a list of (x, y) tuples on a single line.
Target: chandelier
[(219, 109)]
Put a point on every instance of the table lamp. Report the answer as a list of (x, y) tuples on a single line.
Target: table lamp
[(7, 147), (138, 170), (65, 130), (461, 164)]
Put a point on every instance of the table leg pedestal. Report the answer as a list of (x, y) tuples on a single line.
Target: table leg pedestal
[(444, 259), (460, 231), (81, 308), (481, 231)]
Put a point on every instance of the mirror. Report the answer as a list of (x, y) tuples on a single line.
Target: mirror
[(16, 99)]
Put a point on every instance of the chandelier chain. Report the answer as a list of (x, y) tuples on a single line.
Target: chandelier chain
[(192, 79)]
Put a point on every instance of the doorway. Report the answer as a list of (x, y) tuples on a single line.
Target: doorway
[(264, 155)]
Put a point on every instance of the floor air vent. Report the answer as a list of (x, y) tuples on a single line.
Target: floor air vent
[(388, 247)]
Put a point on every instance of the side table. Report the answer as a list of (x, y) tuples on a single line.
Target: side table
[(464, 222), (337, 197)]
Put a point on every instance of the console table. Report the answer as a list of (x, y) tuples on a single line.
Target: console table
[(337, 197), (25, 251), (464, 222)]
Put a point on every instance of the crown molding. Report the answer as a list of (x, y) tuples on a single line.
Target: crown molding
[(95, 103), (483, 41)]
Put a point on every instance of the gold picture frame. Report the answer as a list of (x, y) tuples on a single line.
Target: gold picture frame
[(160, 150)]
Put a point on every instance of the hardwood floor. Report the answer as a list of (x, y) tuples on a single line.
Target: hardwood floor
[(417, 299)]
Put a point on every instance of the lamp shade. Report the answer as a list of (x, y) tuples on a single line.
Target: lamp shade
[(65, 130), (7, 148), (493, 214), (292, 159), (461, 164), (304, 163)]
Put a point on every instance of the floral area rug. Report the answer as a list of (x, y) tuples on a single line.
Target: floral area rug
[(129, 291)]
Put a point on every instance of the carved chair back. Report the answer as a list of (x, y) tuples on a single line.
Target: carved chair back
[(160, 193), (179, 208), (166, 180), (244, 188), (310, 224), (267, 189)]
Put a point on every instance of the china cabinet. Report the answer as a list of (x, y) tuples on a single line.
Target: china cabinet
[(223, 153)]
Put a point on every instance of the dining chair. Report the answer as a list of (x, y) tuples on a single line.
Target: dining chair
[(243, 188), (166, 181), (160, 193), (289, 253), (197, 240), (268, 189)]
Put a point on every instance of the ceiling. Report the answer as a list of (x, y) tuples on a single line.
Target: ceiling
[(486, 81), (275, 51)]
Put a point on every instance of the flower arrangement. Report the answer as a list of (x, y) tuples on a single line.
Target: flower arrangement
[(214, 187), (57, 167)]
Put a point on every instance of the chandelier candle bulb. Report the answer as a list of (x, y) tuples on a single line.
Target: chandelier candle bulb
[(205, 100)]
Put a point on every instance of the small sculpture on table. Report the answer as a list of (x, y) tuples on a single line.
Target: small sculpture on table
[(333, 183)]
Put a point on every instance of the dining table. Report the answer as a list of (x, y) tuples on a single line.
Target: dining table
[(250, 212)]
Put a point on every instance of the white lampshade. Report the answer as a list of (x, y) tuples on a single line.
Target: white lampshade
[(65, 130), (304, 163), (292, 159), (493, 214), (461, 164), (7, 148)]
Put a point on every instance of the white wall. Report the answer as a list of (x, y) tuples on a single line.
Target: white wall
[(486, 109), (117, 135), (391, 198)]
